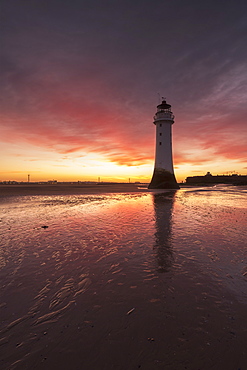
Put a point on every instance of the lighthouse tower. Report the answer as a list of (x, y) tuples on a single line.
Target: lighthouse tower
[(163, 176)]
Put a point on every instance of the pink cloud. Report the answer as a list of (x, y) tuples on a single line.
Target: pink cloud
[(65, 116)]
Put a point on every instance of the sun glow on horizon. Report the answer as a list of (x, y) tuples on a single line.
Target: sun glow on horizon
[(92, 168), (21, 161), (44, 164)]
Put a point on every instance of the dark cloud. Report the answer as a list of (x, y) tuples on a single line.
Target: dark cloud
[(84, 75)]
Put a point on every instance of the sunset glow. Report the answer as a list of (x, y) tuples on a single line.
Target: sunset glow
[(80, 87)]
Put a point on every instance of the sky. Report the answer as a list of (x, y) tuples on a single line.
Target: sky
[(81, 79)]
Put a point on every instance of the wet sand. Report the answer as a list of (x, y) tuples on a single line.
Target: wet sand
[(60, 189), (167, 330), (131, 281)]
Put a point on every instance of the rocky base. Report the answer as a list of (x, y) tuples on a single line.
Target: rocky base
[(163, 179)]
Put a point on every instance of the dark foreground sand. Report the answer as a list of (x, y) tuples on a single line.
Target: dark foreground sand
[(153, 331), (60, 189)]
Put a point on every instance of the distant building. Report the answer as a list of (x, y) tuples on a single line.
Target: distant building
[(219, 179)]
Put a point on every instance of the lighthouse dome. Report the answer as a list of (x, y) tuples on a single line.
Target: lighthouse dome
[(164, 105)]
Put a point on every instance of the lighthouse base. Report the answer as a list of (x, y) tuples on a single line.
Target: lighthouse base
[(163, 179)]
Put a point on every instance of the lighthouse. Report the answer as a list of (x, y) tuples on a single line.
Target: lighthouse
[(163, 176)]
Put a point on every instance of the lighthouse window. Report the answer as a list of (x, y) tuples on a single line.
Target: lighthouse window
[(160, 133), (160, 143), (160, 124)]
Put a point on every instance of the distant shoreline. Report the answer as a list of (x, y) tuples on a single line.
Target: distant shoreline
[(83, 188), (67, 188)]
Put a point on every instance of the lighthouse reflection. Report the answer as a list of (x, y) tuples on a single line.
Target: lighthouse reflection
[(163, 206)]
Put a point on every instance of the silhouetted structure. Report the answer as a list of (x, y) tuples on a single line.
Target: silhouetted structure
[(219, 179)]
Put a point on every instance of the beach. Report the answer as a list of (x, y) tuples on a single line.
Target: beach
[(67, 188), (113, 276)]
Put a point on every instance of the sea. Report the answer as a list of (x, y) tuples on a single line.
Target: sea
[(124, 280)]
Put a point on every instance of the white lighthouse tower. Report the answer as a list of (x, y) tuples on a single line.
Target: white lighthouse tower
[(163, 176)]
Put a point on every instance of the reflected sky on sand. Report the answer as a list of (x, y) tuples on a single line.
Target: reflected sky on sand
[(92, 279)]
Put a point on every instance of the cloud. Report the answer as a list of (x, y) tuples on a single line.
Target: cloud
[(83, 77)]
